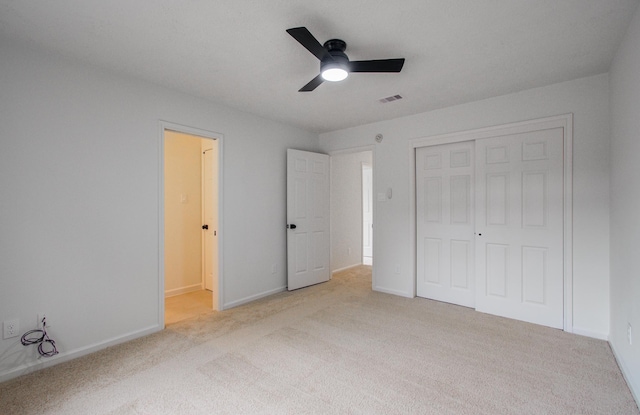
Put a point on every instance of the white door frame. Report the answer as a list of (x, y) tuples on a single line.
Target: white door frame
[(564, 121), (165, 125), (366, 167), (352, 150)]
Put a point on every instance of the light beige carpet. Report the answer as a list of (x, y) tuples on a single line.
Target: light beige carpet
[(335, 348)]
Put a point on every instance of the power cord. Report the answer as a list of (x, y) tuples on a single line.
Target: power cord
[(41, 338)]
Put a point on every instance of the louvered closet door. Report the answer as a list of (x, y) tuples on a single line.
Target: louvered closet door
[(445, 240), (519, 222)]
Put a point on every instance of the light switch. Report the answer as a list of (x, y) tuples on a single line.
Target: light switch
[(184, 198)]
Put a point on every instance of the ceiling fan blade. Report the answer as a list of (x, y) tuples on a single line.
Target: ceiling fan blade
[(313, 84), (380, 65), (306, 39)]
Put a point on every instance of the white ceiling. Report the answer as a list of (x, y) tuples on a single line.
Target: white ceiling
[(237, 52)]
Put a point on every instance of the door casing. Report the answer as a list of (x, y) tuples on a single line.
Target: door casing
[(164, 126), (367, 211)]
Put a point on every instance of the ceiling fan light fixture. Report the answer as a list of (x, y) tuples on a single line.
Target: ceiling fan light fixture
[(334, 72)]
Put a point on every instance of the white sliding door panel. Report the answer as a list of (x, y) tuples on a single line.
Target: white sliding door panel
[(519, 226), (445, 241), (307, 218)]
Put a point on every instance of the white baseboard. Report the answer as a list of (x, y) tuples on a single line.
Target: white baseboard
[(345, 268), (251, 298), (391, 291), (65, 356), (590, 333), (182, 290), (626, 373)]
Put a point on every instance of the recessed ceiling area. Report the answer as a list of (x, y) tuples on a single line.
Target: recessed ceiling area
[(239, 54)]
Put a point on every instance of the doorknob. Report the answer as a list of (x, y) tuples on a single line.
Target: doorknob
[(292, 226), (205, 226)]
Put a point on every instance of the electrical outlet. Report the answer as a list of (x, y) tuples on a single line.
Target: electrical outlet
[(629, 337), (11, 328), (274, 268), (349, 251)]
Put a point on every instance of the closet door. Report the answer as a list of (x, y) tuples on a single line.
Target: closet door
[(445, 231), (519, 226)]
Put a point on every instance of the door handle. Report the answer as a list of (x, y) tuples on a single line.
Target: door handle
[(292, 226), (205, 226)]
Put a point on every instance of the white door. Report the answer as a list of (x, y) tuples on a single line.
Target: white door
[(519, 226), (210, 217), (444, 218), (307, 218), (367, 214)]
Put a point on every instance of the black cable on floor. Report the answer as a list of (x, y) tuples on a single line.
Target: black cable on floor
[(41, 338)]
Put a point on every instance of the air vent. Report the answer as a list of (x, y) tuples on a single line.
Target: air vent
[(390, 99)]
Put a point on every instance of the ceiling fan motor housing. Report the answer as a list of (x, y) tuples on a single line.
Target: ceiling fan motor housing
[(335, 45), (336, 48)]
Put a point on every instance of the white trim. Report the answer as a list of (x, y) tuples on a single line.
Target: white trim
[(220, 222), (568, 222), (559, 121), (363, 167), (626, 374), (254, 297), (344, 268), (183, 290), (394, 292), (352, 150), (413, 222), (361, 149), (165, 125), (590, 333), (564, 121), (161, 225), (66, 356)]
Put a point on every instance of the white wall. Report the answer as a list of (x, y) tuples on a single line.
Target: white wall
[(346, 208), (625, 204), (182, 213), (79, 200), (586, 98)]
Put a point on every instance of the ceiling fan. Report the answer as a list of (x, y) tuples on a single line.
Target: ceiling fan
[(334, 63)]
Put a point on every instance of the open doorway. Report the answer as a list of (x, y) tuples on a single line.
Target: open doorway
[(351, 209), (191, 225)]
